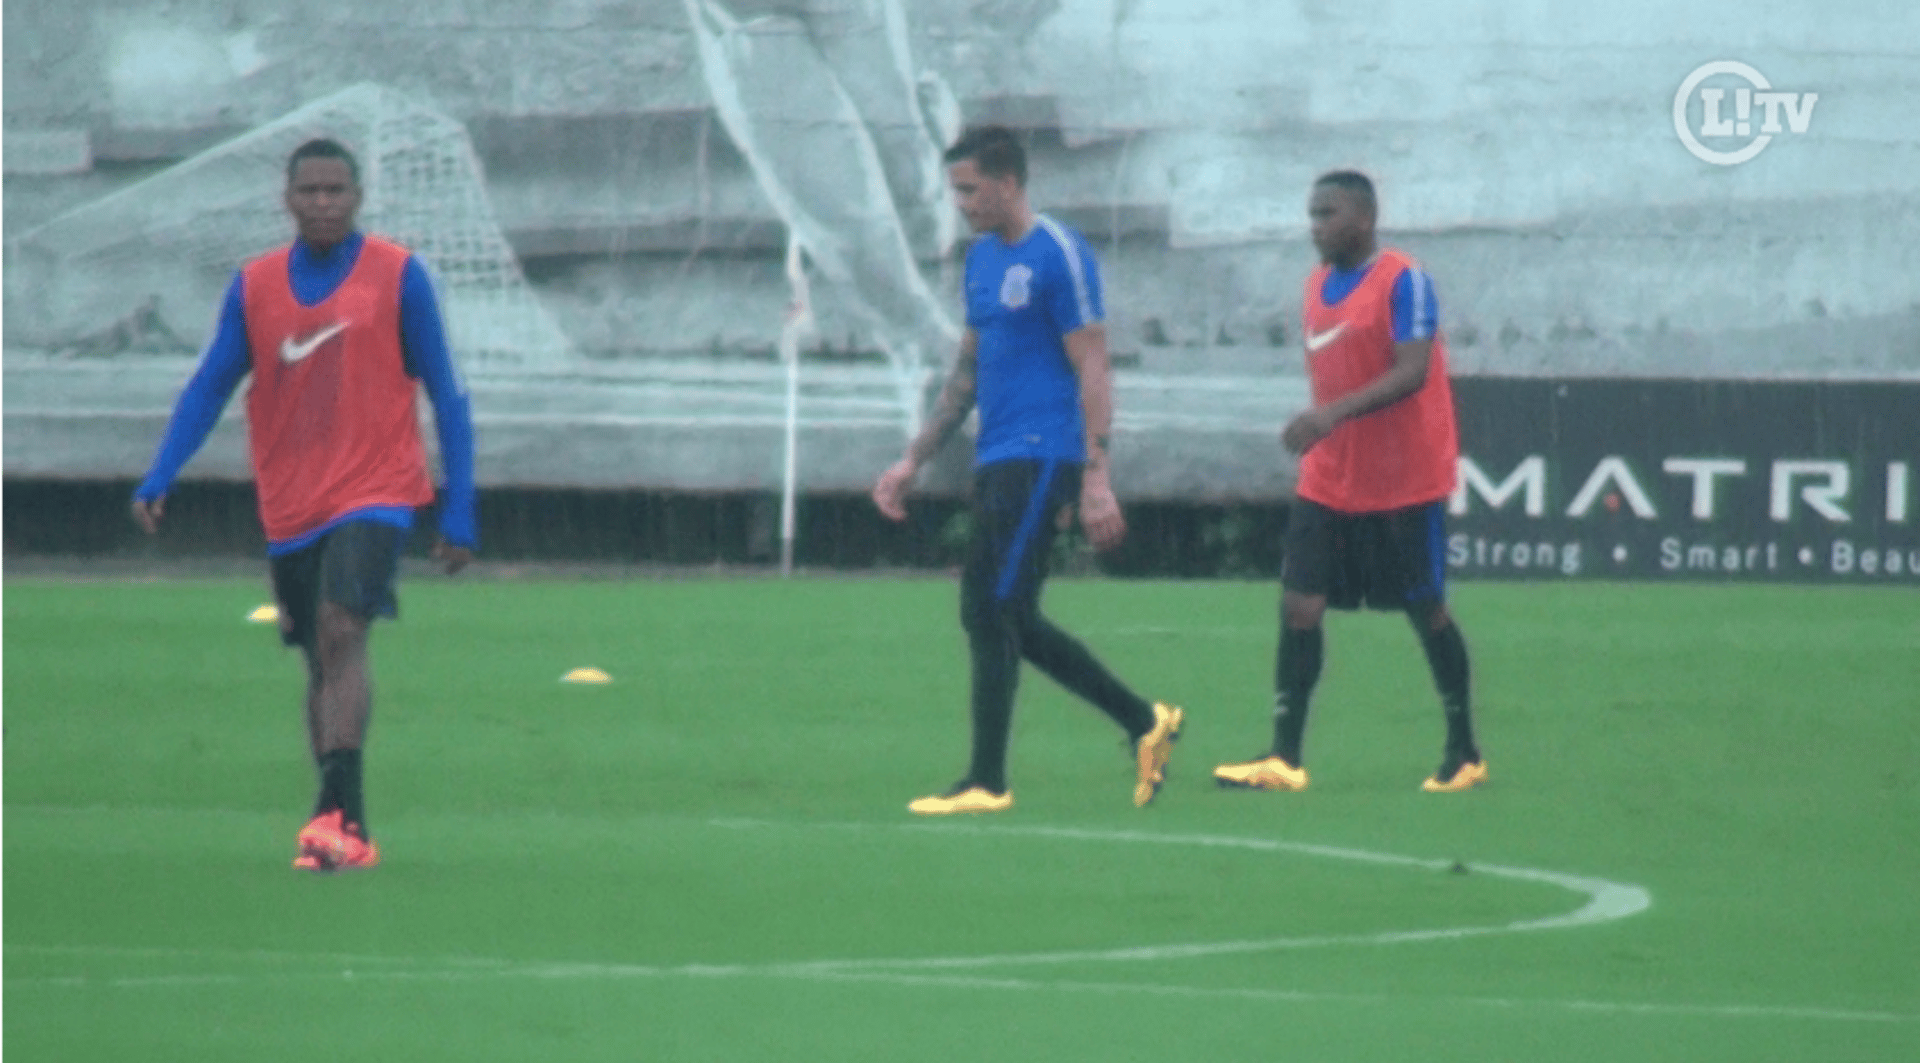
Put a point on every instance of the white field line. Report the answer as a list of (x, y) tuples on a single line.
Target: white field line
[(1288, 996), (463, 970), (253, 955), (1606, 901)]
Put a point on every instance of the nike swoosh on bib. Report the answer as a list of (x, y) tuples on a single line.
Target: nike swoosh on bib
[(292, 351), (1315, 341)]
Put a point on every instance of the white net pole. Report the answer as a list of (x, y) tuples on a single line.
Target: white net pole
[(799, 322)]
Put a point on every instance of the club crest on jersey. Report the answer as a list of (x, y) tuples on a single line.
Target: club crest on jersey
[(1016, 288)]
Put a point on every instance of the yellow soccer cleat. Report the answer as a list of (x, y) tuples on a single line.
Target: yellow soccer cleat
[(1151, 752), (1455, 776), (1267, 773), (962, 799)]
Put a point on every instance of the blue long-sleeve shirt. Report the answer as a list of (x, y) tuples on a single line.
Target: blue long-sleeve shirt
[(423, 341)]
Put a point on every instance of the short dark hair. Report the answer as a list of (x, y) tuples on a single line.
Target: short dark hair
[(323, 148), (995, 149), (1352, 181)]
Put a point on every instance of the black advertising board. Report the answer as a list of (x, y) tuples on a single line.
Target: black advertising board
[(1687, 479)]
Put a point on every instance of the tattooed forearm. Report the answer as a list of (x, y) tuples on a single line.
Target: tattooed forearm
[(955, 402)]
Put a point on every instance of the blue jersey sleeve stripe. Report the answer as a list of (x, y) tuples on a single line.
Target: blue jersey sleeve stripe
[(1070, 250), (1426, 313), (1415, 313)]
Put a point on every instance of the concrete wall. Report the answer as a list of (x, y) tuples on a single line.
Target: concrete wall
[(1526, 151)]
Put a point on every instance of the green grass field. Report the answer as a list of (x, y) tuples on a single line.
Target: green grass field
[(709, 859)]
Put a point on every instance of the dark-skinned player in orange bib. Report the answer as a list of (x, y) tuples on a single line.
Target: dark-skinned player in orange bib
[(337, 330), (1378, 459)]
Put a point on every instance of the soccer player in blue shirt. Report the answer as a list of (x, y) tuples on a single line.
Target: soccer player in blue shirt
[(1034, 358)]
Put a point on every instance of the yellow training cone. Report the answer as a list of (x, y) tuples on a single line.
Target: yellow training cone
[(586, 675), (266, 614)]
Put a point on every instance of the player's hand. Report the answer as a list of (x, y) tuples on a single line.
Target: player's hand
[(148, 514), (452, 558), (890, 492), (1307, 429), (1100, 512)]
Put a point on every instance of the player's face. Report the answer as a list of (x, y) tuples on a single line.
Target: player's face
[(1342, 224), (323, 198), (986, 201)]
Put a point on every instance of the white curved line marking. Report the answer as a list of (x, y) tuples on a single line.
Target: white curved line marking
[(1606, 901)]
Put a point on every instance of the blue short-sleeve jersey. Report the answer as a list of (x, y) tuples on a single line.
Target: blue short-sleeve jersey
[(1022, 301)]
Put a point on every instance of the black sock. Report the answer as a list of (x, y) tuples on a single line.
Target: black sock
[(340, 784), (328, 800), (1452, 677), (996, 675), (1296, 669)]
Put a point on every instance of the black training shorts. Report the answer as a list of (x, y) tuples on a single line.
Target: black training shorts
[(353, 566), (1392, 560)]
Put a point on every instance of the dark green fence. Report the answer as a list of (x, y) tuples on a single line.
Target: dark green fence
[(80, 519)]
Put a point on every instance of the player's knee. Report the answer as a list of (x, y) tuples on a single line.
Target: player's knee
[(339, 630), (1302, 611), (1024, 619), (1429, 617)]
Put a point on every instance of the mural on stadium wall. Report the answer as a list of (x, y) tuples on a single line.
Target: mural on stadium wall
[(646, 162)]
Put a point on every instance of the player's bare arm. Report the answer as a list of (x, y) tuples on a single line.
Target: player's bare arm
[(949, 412), (1408, 372), (1099, 510)]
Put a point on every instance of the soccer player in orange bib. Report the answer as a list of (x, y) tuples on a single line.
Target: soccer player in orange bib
[(1378, 453), (335, 329)]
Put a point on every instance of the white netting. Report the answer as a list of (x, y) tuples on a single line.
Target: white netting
[(171, 238), (821, 100)]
